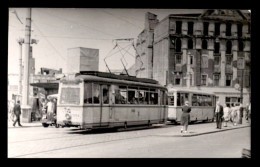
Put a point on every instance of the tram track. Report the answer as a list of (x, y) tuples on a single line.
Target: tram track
[(90, 132), (80, 145)]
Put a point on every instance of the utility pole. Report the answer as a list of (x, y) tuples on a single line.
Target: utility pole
[(20, 42), (26, 109), (241, 66)]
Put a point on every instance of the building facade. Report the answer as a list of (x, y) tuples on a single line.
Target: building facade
[(208, 51)]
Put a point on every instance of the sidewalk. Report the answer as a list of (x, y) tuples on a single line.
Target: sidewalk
[(207, 128), (25, 125)]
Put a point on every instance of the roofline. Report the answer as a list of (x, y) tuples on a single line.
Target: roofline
[(190, 91), (111, 80)]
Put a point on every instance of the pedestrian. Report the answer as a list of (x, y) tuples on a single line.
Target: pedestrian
[(17, 112), (247, 112), (11, 110), (234, 115), (50, 109), (54, 106), (226, 115), (185, 117), (241, 110), (219, 115)]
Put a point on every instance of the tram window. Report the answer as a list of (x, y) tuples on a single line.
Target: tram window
[(105, 94), (153, 98), (146, 100), (70, 96), (132, 97), (88, 93), (141, 97), (96, 93), (120, 96), (194, 100), (210, 100), (181, 98), (171, 100)]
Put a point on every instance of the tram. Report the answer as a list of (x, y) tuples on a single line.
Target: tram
[(202, 105), (91, 100)]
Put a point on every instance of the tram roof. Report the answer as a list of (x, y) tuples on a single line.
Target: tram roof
[(94, 78), (189, 91)]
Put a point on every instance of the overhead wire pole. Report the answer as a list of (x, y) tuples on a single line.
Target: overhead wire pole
[(26, 109)]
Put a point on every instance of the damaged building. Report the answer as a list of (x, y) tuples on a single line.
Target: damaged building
[(208, 51)]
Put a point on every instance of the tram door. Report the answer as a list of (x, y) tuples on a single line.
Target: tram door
[(104, 108), (163, 103)]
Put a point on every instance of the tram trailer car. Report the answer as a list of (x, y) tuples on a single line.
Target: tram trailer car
[(91, 100), (202, 105)]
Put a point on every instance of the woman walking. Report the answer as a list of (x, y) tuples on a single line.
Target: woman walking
[(185, 117), (226, 115)]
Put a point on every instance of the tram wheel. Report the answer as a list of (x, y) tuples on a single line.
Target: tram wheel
[(45, 125)]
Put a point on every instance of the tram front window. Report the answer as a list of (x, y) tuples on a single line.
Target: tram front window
[(91, 93), (70, 96)]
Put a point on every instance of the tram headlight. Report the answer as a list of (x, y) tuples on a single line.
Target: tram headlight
[(68, 117)]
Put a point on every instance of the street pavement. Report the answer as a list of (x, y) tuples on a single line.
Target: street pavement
[(32, 141)]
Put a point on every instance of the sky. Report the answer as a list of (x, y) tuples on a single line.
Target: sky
[(58, 29)]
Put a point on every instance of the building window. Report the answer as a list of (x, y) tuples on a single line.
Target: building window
[(228, 29), (178, 27), (190, 28), (190, 44), (232, 101), (178, 45), (177, 81), (216, 60), (216, 47), (204, 62), (228, 60), (204, 80), (216, 80), (204, 44), (191, 60), (205, 28), (228, 80), (229, 47), (178, 59), (240, 45), (239, 30), (217, 29)]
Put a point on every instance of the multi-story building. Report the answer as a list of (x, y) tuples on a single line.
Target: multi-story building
[(208, 51)]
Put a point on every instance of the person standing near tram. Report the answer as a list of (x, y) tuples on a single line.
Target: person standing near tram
[(185, 117), (241, 110), (219, 115)]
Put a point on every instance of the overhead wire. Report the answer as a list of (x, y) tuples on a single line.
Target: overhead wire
[(71, 21), (122, 19), (53, 46)]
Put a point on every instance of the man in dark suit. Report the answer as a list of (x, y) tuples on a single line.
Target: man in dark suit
[(219, 114), (17, 112)]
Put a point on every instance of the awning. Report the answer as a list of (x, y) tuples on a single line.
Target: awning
[(46, 85)]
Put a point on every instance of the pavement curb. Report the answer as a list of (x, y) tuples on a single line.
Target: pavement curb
[(197, 134), (202, 133)]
